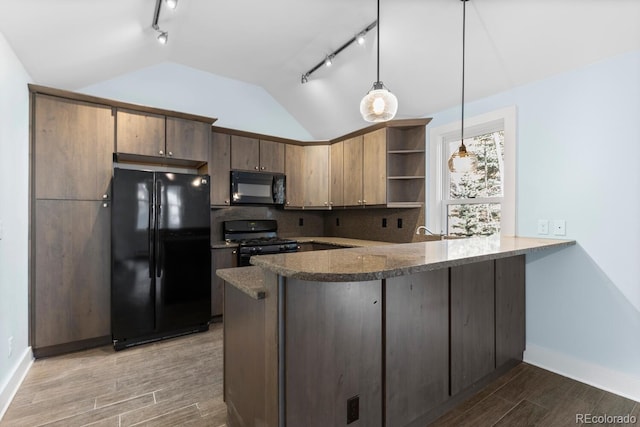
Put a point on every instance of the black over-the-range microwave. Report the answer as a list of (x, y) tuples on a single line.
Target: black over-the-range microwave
[(257, 188)]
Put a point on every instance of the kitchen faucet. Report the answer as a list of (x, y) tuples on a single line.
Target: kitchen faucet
[(426, 231)]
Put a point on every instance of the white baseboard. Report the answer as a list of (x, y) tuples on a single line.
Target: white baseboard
[(10, 388), (598, 376)]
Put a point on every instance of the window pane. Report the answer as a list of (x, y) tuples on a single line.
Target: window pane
[(481, 219), (486, 180)]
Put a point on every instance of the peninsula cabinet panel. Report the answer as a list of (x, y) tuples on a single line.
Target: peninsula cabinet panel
[(73, 145), (417, 345), (219, 169), (187, 139), (472, 323), (245, 153), (510, 309), (294, 169), (336, 181), (333, 352), (374, 168), (271, 156), (71, 295), (140, 133), (353, 171)]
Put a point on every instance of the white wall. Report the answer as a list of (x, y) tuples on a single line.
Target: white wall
[(578, 142), (236, 104), (14, 209)]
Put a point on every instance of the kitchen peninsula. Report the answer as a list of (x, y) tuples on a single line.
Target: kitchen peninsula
[(379, 335)]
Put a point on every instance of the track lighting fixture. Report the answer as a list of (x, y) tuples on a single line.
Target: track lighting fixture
[(328, 60), (163, 37)]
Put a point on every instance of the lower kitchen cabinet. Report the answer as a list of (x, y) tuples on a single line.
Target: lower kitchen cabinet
[(220, 258), (510, 309), (72, 275)]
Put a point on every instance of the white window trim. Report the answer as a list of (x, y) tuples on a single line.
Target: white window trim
[(438, 135)]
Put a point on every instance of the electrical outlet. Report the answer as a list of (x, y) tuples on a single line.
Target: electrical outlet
[(353, 409), (399, 222), (384, 222), (559, 227), (301, 222), (543, 226), (337, 222)]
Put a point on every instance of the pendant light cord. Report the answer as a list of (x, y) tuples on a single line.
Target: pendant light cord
[(464, 26), (378, 45)]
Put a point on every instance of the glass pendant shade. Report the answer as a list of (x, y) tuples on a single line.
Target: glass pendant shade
[(379, 105), (462, 161)]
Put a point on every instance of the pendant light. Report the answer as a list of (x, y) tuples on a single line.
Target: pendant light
[(379, 105), (462, 160)]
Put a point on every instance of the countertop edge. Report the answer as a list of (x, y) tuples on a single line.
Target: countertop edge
[(248, 280), (282, 270)]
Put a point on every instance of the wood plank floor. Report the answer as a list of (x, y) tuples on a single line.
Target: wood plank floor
[(179, 383)]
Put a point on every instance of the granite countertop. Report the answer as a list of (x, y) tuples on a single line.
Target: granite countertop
[(246, 279), (340, 241), (390, 260), (221, 244)]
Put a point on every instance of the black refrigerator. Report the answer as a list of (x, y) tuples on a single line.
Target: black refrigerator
[(160, 252)]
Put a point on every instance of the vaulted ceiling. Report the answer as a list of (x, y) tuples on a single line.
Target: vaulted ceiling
[(72, 44)]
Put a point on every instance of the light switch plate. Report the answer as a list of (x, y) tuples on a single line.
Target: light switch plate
[(559, 227), (543, 226)]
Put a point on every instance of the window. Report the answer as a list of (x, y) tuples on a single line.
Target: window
[(480, 202)]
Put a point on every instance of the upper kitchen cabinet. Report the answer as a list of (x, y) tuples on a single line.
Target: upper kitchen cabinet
[(336, 174), (364, 169), (254, 154), (178, 139), (72, 147), (219, 169), (188, 139), (316, 172), (294, 168), (140, 133)]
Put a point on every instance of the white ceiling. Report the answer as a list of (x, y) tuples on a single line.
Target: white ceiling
[(72, 44)]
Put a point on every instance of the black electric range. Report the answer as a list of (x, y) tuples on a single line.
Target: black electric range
[(256, 237)]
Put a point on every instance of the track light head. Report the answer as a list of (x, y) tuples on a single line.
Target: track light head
[(304, 79), (361, 38), (328, 61), (163, 37), (172, 4)]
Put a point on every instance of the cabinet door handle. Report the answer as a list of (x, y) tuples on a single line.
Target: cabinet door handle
[(105, 205), (105, 197), (331, 203), (234, 252), (262, 168), (256, 168), (170, 153), (326, 203), (359, 202), (226, 202), (161, 152), (364, 202)]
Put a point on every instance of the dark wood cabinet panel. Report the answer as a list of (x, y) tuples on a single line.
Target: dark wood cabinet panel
[(220, 258), (472, 323), (294, 168), (140, 133), (353, 171), (333, 352), (187, 139), (336, 175), (73, 144), (220, 168), (72, 272), (374, 168), (417, 345), (245, 153), (271, 156), (316, 170), (510, 309)]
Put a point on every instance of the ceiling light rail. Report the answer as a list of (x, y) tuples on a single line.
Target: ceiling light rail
[(328, 60), (163, 37)]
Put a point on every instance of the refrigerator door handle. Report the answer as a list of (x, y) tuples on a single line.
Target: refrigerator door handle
[(150, 234), (157, 228)]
